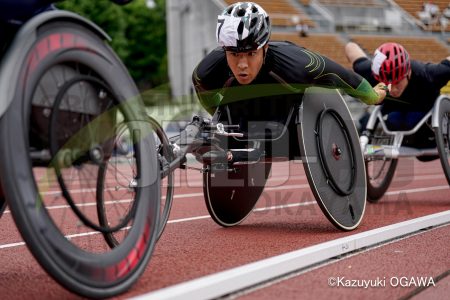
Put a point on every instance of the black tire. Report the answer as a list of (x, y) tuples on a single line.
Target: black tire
[(231, 196), (379, 172), (3, 203), (442, 133), (71, 252), (121, 140), (379, 180)]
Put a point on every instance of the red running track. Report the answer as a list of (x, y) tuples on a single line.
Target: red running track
[(193, 246)]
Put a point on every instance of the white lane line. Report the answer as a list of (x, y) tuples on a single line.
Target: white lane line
[(12, 245), (255, 210), (411, 191), (71, 236), (279, 180), (270, 181), (189, 195), (419, 190), (278, 188), (235, 279)]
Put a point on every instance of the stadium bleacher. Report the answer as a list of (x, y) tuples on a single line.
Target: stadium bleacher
[(428, 49), (413, 7), (359, 3)]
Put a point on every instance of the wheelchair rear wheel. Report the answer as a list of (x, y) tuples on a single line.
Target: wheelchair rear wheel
[(231, 196), (442, 133), (59, 130), (332, 157)]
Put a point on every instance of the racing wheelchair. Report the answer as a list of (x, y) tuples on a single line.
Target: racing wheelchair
[(74, 130), (317, 128), (383, 146)]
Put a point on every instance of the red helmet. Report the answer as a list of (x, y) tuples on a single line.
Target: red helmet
[(390, 63)]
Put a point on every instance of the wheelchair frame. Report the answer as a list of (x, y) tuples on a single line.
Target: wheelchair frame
[(436, 118), (316, 107)]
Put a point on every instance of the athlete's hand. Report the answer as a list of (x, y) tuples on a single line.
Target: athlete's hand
[(381, 90)]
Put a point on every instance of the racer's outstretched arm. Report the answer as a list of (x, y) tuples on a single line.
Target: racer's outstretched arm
[(329, 73), (353, 52)]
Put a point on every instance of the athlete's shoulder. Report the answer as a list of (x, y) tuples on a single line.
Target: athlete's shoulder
[(215, 57), (284, 51), (423, 69), (213, 71), (288, 61), (283, 47), (213, 62)]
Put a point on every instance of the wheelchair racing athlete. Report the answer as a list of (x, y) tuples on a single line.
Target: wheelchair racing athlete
[(246, 64), (413, 87)]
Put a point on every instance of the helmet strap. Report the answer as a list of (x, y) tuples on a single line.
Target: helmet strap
[(264, 54)]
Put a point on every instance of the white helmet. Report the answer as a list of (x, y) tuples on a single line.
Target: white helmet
[(243, 26)]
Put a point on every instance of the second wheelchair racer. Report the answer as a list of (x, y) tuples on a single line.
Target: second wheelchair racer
[(413, 85)]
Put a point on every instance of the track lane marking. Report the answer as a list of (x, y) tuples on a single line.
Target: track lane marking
[(286, 187), (193, 184), (411, 191), (248, 275)]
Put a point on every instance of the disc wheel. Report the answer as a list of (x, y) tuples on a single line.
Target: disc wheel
[(332, 157), (231, 196), (59, 127)]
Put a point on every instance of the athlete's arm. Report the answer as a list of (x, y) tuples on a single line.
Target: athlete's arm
[(209, 77), (209, 98), (334, 75), (353, 52)]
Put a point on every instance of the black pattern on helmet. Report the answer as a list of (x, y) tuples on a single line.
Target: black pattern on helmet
[(243, 26)]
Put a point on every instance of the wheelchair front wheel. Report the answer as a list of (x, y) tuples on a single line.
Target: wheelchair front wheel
[(231, 196), (108, 203)]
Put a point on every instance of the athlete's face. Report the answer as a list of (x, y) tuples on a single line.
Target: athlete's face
[(396, 90), (245, 65)]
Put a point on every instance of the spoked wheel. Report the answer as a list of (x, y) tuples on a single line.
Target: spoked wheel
[(111, 193), (231, 196), (379, 171), (442, 133), (332, 157), (60, 130)]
